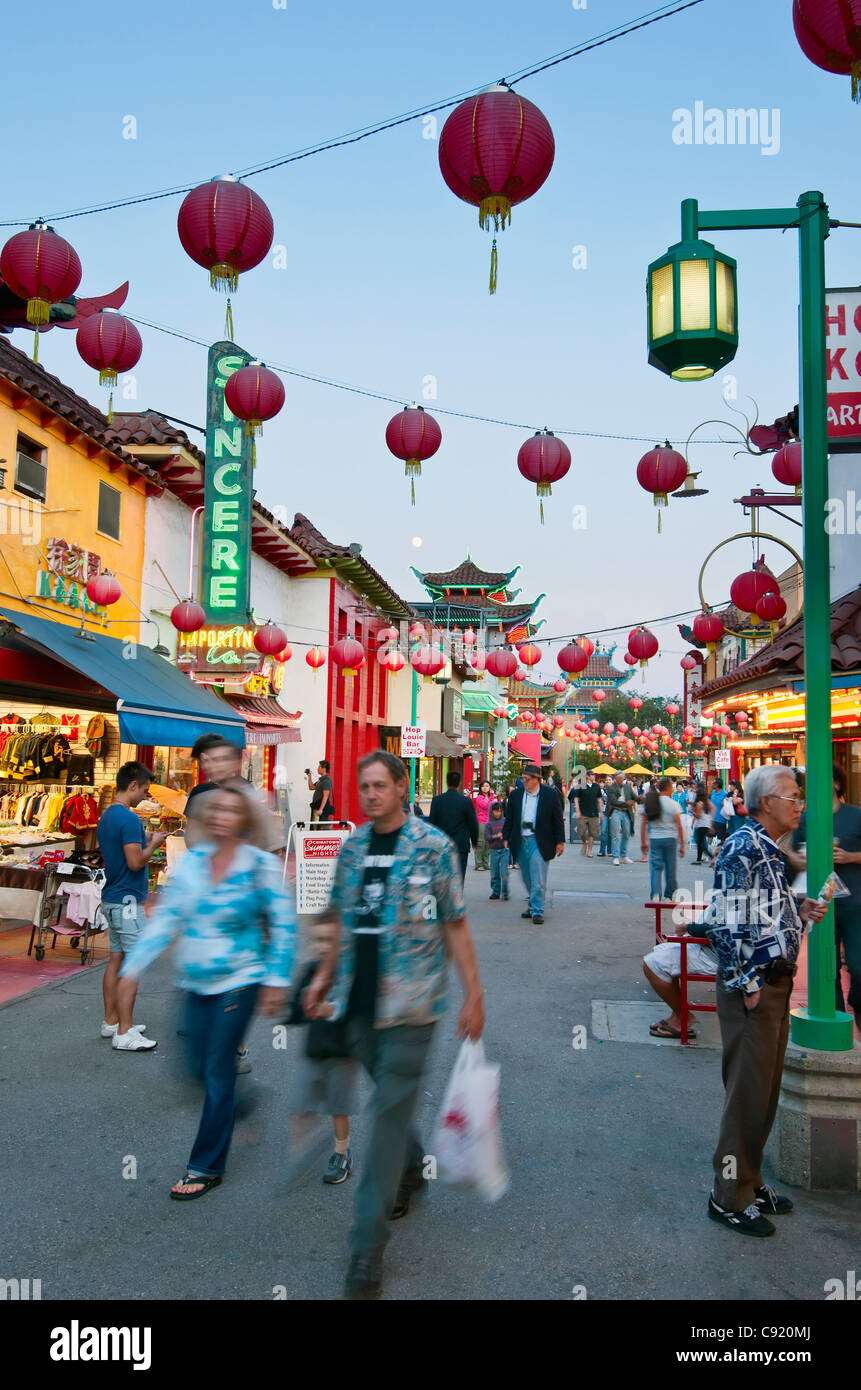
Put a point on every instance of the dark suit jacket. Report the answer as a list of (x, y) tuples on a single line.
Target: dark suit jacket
[(549, 826), (454, 813)]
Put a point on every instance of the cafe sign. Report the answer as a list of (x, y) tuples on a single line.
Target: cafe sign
[(227, 655), (70, 567), (226, 556)]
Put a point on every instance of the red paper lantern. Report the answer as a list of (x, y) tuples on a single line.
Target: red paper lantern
[(478, 661), (529, 654), (501, 662), (749, 587), (188, 616), (469, 637), (623, 728), (418, 632), (544, 459), (109, 343), (609, 728), (643, 644), (637, 732), (786, 465), (560, 686), (629, 659), (428, 661), (829, 33), (225, 227), (527, 717), (349, 655), (284, 655), (672, 708), (413, 435), (315, 658), (42, 268), (558, 721), (572, 658), (593, 724), (708, 628), (386, 634), (104, 590), (254, 394), (495, 150), (687, 663), (661, 471), (394, 661), (598, 696), (519, 674), (636, 702), (586, 643), (771, 608), (269, 639)]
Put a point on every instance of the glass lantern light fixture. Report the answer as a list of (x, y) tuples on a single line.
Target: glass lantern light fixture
[(692, 295)]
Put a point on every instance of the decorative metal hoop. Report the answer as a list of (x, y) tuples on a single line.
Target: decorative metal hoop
[(746, 536)]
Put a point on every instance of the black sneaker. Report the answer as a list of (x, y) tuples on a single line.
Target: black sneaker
[(505, 897), (538, 919), (339, 1169), (494, 896), (526, 914), (770, 1202), (750, 1222), (365, 1275)]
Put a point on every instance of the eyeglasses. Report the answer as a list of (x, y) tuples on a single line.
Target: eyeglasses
[(796, 800)]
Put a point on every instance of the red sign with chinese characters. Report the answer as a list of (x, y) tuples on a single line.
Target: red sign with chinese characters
[(843, 367)]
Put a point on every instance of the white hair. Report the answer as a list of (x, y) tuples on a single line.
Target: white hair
[(764, 781)]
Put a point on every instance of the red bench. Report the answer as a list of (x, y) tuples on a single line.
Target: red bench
[(685, 976)]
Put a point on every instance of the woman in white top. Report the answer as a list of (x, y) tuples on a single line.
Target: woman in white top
[(661, 830), (703, 821)]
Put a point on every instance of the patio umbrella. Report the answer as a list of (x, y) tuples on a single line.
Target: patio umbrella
[(604, 770), (639, 769)]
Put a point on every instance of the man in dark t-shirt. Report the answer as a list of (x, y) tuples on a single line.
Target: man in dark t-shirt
[(377, 864), (322, 804), (589, 807)]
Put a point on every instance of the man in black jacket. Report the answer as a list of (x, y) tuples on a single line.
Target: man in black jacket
[(535, 832), (453, 812)]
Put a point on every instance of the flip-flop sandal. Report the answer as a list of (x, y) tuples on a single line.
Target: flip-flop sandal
[(662, 1030), (190, 1178)]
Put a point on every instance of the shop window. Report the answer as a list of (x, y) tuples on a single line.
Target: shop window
[(31, 471), (109, 511)]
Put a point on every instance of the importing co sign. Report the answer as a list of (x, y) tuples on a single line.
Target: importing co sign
[(843, 366)]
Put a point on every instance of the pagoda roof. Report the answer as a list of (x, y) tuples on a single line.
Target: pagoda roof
[(466, 576), (477, 611), (598, 672)]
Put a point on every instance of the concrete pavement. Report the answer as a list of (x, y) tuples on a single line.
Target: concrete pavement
[(609, 1145)]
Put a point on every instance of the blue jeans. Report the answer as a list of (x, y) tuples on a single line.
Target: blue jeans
[(662, 860), (214, 1027), (533, 868), (604, 847), (499, 872), (572, 824), (620, 829)]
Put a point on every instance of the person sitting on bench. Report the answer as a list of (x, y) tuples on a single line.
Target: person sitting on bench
[(662, 968)]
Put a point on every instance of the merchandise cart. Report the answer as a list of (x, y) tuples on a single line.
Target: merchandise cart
[(67, 883)]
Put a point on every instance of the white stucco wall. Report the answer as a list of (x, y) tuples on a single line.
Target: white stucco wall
[(302, 690), (166, 542)]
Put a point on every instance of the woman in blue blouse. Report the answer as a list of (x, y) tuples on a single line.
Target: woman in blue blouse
[(236, 933)]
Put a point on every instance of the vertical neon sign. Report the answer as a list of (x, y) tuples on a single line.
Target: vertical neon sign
[(226, 554)]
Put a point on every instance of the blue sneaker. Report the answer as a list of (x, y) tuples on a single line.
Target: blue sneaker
[(339, 1169)]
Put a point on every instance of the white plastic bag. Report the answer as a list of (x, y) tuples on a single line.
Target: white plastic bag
[(467, 1136)]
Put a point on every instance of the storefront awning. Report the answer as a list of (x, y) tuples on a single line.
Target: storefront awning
[(439, 746), (156, 703), (267, 722), (480, 702)]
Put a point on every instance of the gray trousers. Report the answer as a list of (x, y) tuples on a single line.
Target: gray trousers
[(395, 1060), (754, 1042)]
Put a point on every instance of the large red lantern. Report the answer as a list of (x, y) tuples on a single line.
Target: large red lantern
[(110, 343), (771, 608), (315, 658), (226, 228), (642, 644), (635, 702), (42, 268), (349, 655), (560, 686), (687, 663), (748, 588), (188, 616), (428, 660), (786, 465), (394, 661), (586, 643), (572, 658), (413, 435), (661, 471), (284, 655), (598, 696), (829, 32), (495, 150), (543, 459), (254, 394), (672, 708), (708, 628), (529, 654), (104, 589), (629, 659), (269, 639), (501, 662)]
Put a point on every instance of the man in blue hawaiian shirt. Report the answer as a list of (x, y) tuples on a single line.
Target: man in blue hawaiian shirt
[(398, 891), (755, 924)]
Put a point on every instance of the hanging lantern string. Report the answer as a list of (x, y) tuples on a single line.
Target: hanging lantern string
[(353, 137), (228, 321), (398, 400)]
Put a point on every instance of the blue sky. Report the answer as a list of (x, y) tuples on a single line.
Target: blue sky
[(386, 271)]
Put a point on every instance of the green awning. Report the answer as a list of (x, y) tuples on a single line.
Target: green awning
[(480, 702)]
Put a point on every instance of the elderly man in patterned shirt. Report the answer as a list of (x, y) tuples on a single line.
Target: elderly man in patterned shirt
[(398, 890), (755, 924)]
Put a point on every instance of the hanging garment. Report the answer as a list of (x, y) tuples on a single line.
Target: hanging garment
[(96, 736)]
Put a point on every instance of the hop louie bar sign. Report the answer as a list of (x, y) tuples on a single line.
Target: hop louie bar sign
[(226, 558)]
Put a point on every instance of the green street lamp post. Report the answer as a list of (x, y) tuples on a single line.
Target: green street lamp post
[(692, 329)]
